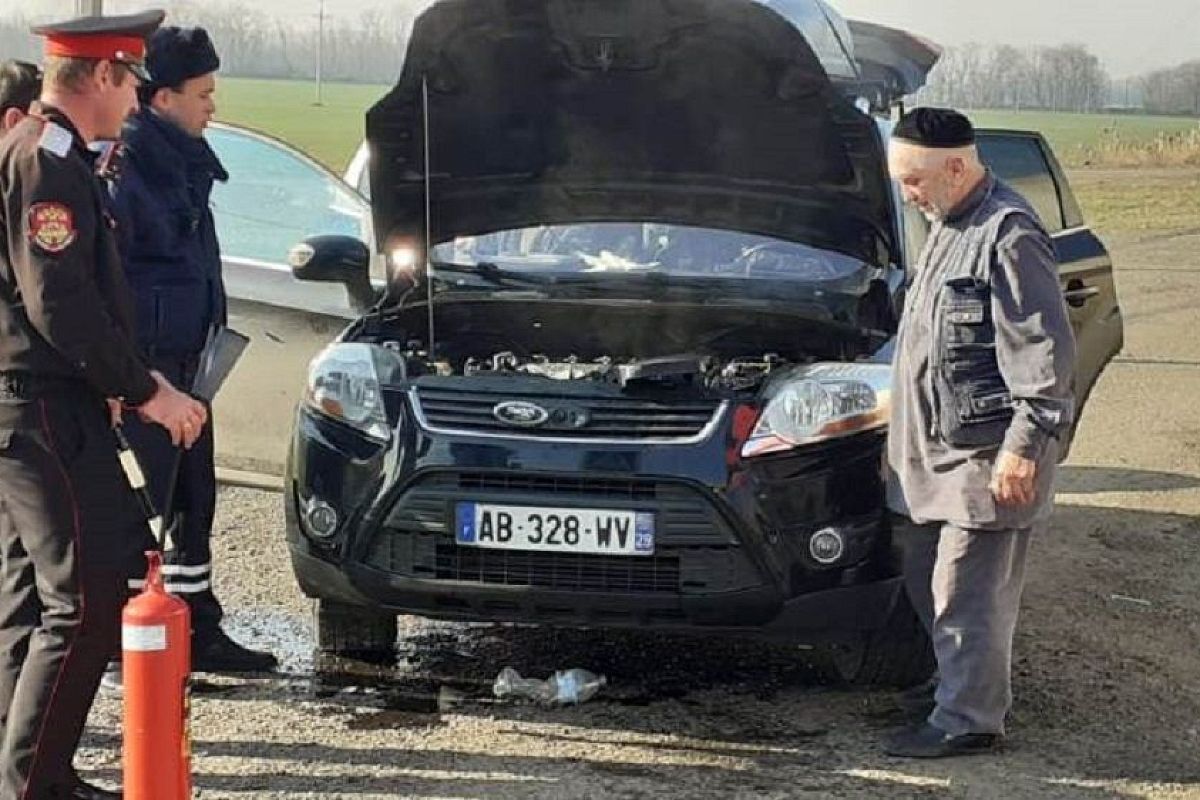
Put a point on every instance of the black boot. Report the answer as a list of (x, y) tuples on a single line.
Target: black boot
[(216, 652), (929, 741)]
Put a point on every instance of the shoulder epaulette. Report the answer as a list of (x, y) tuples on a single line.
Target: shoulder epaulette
[(55, 139)]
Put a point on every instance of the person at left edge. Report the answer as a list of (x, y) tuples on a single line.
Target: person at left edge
[(71, 530), (20, 85)]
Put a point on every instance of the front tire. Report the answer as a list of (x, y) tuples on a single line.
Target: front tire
[(898, 655), (352, 632)]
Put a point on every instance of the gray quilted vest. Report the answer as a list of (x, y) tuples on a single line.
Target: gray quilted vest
[(973, 404)]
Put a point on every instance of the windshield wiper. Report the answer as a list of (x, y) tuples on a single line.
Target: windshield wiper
[(492, 273)]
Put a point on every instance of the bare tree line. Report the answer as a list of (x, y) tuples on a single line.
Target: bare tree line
[(1064, 78), (1173, 91), (368, 49)]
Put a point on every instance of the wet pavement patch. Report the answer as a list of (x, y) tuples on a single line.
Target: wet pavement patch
[(444, 667)]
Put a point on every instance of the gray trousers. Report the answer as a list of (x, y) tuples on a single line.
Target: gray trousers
[(966, 588)]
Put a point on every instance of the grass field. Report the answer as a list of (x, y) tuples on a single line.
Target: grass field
[(1072, 134), (329, 132), (1124, 201)]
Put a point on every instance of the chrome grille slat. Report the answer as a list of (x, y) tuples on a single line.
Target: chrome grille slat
[(609, 418)]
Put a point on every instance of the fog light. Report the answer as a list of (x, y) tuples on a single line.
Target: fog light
[(826, 546), (320, 518)]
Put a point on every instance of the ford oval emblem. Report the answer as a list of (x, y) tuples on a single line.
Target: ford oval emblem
[(520, 414)]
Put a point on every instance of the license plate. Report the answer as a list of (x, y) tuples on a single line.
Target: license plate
[(599, 531)]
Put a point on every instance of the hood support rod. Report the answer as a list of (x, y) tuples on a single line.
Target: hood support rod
[(431, 344)]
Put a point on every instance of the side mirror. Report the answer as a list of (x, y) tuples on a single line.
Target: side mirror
[(336, 259)]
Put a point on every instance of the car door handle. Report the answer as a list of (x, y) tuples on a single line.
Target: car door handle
[(1078, 294)]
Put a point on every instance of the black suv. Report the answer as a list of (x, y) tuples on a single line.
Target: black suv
[(629, 367)]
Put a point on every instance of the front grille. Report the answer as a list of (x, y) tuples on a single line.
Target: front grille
[(566, 571), (583, 417), (696, 551), (682, 516)]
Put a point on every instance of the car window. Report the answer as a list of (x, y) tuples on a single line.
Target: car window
[(364, 183), (1019, 162), (275, 197), (358, 171)]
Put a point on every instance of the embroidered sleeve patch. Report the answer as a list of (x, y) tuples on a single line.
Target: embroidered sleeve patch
[(51, 226)]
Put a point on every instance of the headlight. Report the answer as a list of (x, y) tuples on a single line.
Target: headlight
[(823, 402), (344, 384)]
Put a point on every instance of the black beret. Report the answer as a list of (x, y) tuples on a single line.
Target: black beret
[(935, 127), (175, 55), (20, 85)]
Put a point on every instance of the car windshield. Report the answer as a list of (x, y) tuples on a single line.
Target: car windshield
[(618, 248)]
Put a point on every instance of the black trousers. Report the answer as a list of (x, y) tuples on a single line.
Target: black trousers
[(188, 568), (71, 536)]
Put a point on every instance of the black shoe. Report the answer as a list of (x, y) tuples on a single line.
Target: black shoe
[(218, 653), (78, 790), (929, 741), (918, 701)]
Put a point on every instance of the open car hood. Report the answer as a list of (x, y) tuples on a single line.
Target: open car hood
[(711, 113), (895, 61)]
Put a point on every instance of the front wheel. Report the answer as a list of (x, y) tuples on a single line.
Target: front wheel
[(898, 655), (354, 632)]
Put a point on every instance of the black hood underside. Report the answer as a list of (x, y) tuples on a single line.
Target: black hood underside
[(712, 113)]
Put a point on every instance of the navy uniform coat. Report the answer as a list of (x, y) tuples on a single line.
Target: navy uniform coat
[(168, 236)]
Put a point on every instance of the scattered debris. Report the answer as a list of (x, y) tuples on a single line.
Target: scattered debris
[(1133, 601), (564, 687)]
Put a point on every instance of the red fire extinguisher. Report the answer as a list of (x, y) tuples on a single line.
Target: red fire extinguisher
[(156, 661)]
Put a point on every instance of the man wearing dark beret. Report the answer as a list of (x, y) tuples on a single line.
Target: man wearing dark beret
[(20, 86), (173, 263), (981, 397)]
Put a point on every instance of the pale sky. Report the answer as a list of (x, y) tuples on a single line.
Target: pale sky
[(1130, 37)]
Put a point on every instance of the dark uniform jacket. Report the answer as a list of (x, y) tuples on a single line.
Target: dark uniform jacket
[(64, 307), (169, 238)]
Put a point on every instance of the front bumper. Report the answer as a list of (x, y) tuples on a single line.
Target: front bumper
[(815, 616), (732, 557)]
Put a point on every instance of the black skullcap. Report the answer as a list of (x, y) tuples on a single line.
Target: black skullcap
[(935, 127), (20, 85), (175, 55)]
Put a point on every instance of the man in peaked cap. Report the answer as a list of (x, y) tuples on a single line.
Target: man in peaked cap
[(71, 532), (173, 264), (20, 86), (981, 397)]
